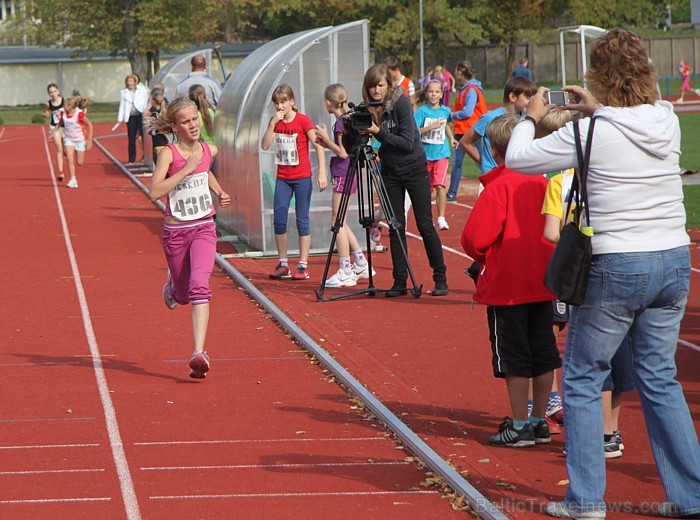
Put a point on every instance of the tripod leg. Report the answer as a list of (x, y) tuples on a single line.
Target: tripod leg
[(394, 224), (338, 224)]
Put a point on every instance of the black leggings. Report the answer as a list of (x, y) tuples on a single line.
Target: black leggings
[(134, 128), (417, 183)]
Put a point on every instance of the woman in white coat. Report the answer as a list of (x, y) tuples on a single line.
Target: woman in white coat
[(132, 103)]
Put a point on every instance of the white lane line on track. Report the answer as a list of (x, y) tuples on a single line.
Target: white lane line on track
[(418, 237), (258, 441), (125, 482), (50, 471), (689, 344), (55, 500), (276, 466), (293, 495), (47, 446)]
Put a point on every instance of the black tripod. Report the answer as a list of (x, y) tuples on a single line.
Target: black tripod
[(364, 167)]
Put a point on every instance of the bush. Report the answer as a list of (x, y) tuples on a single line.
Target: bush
[(38, 119), (2, 121)]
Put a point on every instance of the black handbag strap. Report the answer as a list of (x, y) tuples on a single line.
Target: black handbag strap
[(578, 186)]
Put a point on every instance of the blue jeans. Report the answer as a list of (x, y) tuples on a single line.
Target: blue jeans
[(456, 175), (644, 295), (284, 190)]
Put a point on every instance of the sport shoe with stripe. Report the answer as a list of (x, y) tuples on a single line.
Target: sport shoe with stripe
[(362, 271), (542, 434), (302, 273), (562, 510), (280, 272), (508, 436), (199, 365), (342, 279)]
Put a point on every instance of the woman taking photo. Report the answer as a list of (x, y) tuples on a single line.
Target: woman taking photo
[(640, 274), (404, 169)]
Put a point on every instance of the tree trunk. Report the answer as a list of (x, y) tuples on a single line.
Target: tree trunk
[(510, 60), (136, 57)]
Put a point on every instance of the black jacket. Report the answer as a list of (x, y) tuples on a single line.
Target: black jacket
[(401, 150)]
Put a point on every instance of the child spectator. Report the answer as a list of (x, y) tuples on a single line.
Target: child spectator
[(469, 106), (432, 120), (504, 234), (336, 101), (398, 79), (516, 95), (75, 139), (183, 175), (291, 132), (157, 105), (198, 94), (52, 110)]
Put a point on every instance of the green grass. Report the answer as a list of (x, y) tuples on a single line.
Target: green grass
[(23, 115), (690, 127)]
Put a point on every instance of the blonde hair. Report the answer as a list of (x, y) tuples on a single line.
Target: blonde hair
[(499, 131), (77, 102), (421, 96), (199, 96), (620, 73), (158, 98), (337, 96), (165, 120), (553, 121), (284, 93)]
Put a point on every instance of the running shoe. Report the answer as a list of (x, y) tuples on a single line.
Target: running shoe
[(561, 510), (542, 433), (618, 437), (199, 365), (168, 293), (362, 271), (302, 273), (342, 279), (280, 272), (554, 426), (451, 198), (554, 405), (442, 224), (508, 436), (60, 177), (612, 448), (73, 183)]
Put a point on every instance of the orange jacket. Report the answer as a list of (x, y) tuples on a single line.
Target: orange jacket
[(462, 126)]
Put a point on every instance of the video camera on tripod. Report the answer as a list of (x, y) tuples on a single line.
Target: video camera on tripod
[(359, 118)]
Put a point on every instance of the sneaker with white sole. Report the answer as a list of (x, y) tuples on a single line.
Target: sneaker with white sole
[(73, 183), (199, 365), (561, 510), (342, 279), (508, 436), (168, 293), (442, 224), (362, 271)]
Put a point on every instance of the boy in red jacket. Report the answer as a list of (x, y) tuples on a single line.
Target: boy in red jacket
[(504, 234)]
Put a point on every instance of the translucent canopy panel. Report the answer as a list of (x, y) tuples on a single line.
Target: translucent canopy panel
[(308, 62), (584, 32), (176, 70)]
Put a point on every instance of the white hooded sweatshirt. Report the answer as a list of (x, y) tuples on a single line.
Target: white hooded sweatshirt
[(635, 194)]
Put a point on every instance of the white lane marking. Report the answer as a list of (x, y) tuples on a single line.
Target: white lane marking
[(125, 482), (54, 500), (446, 248), (257, 441), (47, 446), (273, 466), (50, 471), (283, 495), (689, 344)]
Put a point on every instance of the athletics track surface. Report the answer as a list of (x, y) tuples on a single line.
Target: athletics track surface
[(98, 417)]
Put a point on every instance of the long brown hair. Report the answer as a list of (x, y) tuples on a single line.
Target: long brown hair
[(374, 75), (199, 96)]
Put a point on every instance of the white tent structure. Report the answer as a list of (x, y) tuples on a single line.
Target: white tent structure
[(307, 61), (585, 32)]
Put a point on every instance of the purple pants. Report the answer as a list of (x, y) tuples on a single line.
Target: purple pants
[(190, 252)]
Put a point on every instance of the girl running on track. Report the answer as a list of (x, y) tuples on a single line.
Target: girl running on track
[(291, 132), (336, 101), (183, 175), (74, 121), (52, 110)]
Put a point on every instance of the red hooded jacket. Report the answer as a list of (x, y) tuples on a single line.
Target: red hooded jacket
[(504, 234)]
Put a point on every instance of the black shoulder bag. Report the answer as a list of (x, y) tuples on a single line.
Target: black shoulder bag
[(570, 265)]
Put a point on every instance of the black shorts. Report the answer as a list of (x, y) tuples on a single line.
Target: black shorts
[(522, 339)]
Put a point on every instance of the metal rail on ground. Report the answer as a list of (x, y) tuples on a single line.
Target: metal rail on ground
[(478, 502)]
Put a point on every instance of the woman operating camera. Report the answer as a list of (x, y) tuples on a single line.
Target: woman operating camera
[(404, 169)]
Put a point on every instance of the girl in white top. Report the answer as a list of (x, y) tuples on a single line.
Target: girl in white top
[(52, 110), (77, 134)]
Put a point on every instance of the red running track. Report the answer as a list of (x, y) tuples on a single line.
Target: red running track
[(98, 418), (427, 359)]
